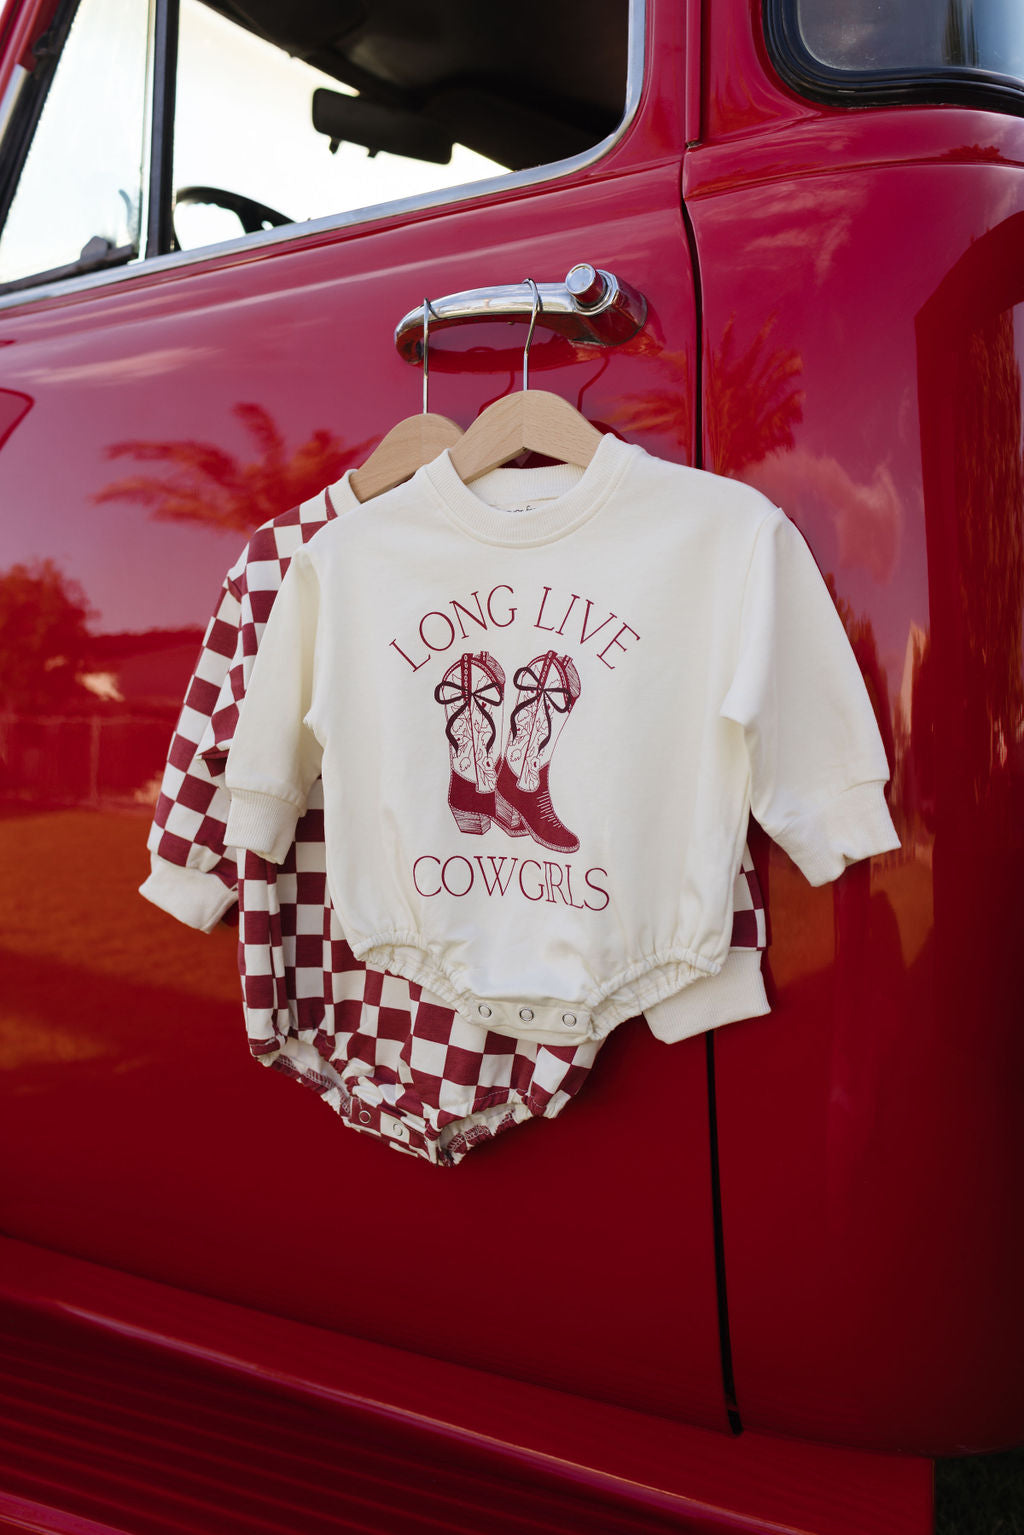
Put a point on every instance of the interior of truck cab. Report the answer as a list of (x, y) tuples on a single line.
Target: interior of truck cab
[(264, 114)]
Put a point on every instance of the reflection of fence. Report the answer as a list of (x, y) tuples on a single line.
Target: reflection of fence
[(85, 759)]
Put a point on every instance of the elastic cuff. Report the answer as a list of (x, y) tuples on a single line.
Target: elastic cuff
[(262, 823), (737, 991), (197, 899), (854, 825)]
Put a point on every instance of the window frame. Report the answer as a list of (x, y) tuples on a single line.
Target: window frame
[(961, 85), (160, 128)]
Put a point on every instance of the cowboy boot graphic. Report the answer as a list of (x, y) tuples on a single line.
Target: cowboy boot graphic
[(548, 688), (472, 692)]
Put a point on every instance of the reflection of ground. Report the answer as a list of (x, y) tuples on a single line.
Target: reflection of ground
[(91, 970)]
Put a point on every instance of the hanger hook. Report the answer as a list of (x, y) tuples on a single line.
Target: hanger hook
[(426, 352), (537, 307)]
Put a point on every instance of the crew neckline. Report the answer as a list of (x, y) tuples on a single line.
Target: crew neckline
[(543, 524), (502, 487)]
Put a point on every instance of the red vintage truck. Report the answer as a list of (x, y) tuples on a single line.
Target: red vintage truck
[(755, 1281)]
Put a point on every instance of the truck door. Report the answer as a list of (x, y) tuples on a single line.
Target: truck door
[(214, 215)]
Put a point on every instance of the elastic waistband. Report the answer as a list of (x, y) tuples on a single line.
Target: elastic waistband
[(541, 1020)]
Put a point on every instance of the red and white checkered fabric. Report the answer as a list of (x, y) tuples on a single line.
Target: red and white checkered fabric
[(749, 925), (388, 1060), (391, 1063), (191, 809)]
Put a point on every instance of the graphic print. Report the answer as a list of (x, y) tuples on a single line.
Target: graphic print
[(471, 691), (510, 785), (548, 683)]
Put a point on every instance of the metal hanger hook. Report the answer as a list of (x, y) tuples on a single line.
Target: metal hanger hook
[(427, 312), (537, 307)]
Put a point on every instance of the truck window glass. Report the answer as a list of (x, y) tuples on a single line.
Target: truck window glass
[(244, 134), (289, 113), (940, 50), (79, 198)]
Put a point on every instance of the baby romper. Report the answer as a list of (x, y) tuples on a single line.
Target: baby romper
[(387, 1060), (657, 639)]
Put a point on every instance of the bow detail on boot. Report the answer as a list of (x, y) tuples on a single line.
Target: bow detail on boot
[(548, 687)]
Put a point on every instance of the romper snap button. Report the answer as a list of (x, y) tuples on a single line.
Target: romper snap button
[(365, 1117), (526, 1013), (569, 1019), (398, 1131), (484, 1010)]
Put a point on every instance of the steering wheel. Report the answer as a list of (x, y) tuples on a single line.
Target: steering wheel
[(253, 216)]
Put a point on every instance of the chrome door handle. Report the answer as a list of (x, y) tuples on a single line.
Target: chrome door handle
[(591, 307)]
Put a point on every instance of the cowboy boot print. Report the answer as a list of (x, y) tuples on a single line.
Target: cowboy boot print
[(472, 693), (548, 688)]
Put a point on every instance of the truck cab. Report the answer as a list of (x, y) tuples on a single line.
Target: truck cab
[(755, 1280)]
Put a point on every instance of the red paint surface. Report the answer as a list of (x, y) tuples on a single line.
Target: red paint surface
[(21, 26), (859, 277), (863, 367), (208, 1377), (576, 1253)]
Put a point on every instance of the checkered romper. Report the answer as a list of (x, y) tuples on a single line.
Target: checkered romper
[(388, 1059)]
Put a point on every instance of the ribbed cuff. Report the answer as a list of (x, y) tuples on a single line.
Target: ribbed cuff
[(262, 823), (197, 899), (854, 825), (737, 991)]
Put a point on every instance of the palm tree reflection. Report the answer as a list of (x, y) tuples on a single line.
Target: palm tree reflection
[(195, 481)]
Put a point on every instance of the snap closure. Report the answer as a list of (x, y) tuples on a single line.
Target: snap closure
[(365, 1117), (569, 1019), (526, 1013), (398, 1131), (484, 1010)]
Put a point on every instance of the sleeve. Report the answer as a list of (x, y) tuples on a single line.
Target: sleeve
[(267, 559), (275, 757), (220, 730), (192, 875), (817, 763), (257, 594)]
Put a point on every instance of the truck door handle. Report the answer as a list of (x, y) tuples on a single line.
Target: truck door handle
[(591, 307)]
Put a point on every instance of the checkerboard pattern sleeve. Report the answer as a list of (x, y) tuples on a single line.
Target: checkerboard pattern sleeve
[(193, 876)]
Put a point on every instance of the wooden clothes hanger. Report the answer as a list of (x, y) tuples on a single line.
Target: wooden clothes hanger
[(533, 420), (410, 444)]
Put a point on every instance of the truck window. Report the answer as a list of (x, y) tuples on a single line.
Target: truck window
[(858, 52), (245, 130), (82, 183), (281, 114)]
